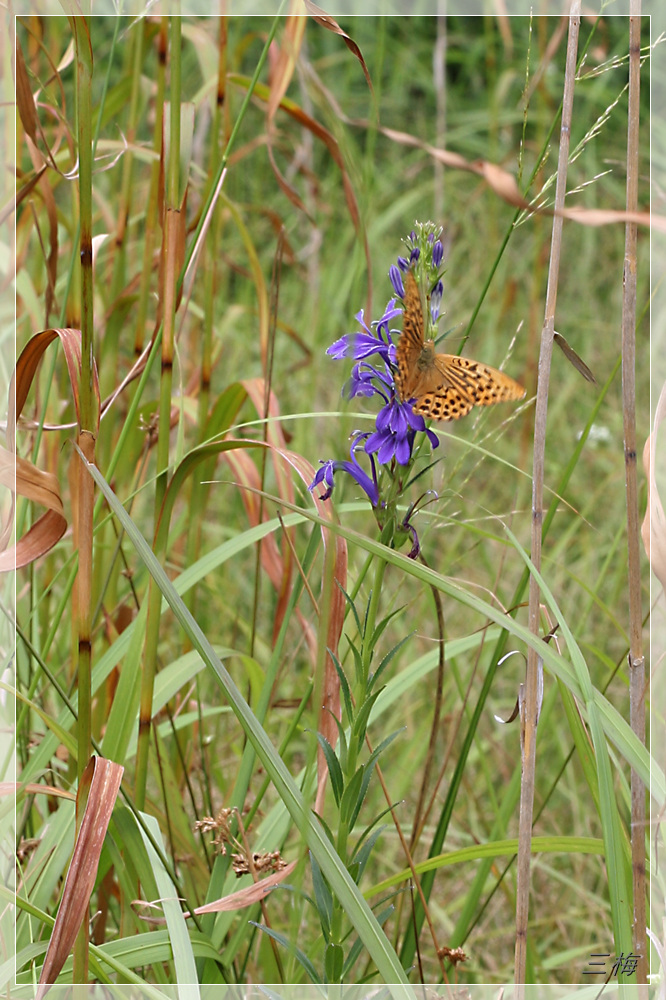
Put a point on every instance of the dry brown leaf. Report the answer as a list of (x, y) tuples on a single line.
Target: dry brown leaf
[(31, 355), (573, 357), (504, 184), (102, 778), (52, 214), (500, 181), (282, 69), (13, 787), (21, 193), (653, 529), (25, 104), (21, 475), (279, 565), (236, 900), (246, 897), (326, 21), (330, 707)]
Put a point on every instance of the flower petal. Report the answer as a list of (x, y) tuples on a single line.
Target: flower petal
[(396, 280)]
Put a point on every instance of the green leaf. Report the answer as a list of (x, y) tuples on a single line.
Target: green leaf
[(333, 765), (334, 958), (323, 898), (344, 685), (351, 803), (299, 955)]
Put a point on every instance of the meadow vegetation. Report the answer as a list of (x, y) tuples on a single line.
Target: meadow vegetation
[(283, 681)]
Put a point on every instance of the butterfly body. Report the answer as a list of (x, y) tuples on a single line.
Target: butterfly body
[(442, 386)]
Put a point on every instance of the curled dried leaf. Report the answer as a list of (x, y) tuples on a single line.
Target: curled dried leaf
[(326, 21), (574, 358), (101, 782)]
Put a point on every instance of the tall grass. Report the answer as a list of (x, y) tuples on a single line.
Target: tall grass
[(282, 680)]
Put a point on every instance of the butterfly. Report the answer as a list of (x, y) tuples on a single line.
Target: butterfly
[(443, 386)]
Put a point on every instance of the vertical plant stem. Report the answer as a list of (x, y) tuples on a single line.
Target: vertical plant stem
[(439, 81), (151, 207), (530, 703), (172, 229), (268, 380), (86, 431), (373, 608), (636, 658)]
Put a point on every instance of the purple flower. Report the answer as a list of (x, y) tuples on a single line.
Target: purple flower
[(394, 437), (368, 485), (363, 344), (436, 300), (396, 280), (437, 254), (363, 381)]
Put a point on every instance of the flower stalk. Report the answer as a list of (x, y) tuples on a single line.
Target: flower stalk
[(390, 451)]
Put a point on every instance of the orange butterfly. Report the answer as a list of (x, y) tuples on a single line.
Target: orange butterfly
[(443, 386)]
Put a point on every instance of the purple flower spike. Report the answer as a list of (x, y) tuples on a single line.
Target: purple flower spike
[(403, 264), (414, 255), (437, 253), (436, 300), (396, 280)]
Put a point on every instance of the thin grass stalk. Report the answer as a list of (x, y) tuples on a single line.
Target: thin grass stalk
[(211, 284), (86, 432), (636, 658), (108, 567), (529, 711), (268, 382), (439, 82), (199, 486), (169, 305), (116, 322), (151, 207)]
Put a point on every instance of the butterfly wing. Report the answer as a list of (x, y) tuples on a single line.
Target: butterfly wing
[(458, 384), (411, 340), (446, 386)]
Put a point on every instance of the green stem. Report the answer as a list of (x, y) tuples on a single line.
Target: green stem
[(169, 301), (373, 608)]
